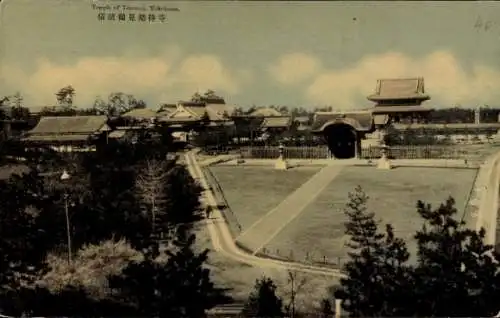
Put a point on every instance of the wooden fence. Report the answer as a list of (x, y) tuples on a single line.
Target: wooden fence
[(415, 152), (370, 152), (306, 152)]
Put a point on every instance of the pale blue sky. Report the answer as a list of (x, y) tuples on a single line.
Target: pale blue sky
[(298, 54)]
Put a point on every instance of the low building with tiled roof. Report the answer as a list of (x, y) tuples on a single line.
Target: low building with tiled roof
[(199, 113), (68, 133)]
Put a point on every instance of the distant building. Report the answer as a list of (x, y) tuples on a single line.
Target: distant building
[(265, 112), (397, 100), (400, 100), (192, 115), (68, 134)]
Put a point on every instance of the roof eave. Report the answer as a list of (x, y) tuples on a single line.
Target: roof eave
[(386, 110), (377, 98)]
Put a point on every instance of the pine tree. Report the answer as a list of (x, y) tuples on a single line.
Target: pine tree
[(376, 268), (457, 274), (263, 301)]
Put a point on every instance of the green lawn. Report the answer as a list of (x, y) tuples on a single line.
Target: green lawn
[(240, 278), (253, 191), (319, 230)]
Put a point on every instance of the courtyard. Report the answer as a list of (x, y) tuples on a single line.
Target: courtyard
[(317, 233), (252, 191)]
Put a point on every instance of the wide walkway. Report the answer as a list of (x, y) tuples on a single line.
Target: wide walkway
[(265, 229)]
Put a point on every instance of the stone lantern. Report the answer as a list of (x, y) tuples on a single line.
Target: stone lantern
[(281, 163), (383, 162)]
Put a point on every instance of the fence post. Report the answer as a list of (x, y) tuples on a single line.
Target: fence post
[(324, 259)]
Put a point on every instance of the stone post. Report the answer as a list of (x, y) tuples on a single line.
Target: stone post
[(383, 162), (281, 163)]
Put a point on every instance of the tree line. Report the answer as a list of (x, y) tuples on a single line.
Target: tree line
[(119, 102)]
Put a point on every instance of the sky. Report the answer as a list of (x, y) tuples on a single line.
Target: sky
[(299, 54)]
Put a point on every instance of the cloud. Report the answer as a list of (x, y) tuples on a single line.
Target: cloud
[(446, 80), (294, 68), (167, 77)]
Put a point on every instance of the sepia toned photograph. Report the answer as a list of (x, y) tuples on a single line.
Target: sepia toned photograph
[(249, 158)]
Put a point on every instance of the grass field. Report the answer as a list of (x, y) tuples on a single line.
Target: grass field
[(253, 191), (319, 230), (240, 278)]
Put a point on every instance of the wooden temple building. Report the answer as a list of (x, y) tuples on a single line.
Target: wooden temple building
[(270, 121), (68, 133), (400, 101), (207, 118), (396, 101)]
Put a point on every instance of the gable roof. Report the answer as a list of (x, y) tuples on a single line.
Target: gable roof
[(276, 122), (360, 120), (192, 111), (402, 88), (197, 110), (220, 112), (140, 113), (70, 125), (265, 112)]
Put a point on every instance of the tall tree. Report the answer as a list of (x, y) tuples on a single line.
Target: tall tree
[(117, 103), (377, 263), (295, 284), (457, 274), (263, 301), (150, 187), (196, 97), (101, 107), (65, 97)]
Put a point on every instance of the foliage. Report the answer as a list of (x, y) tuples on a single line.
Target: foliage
[(456, 273), (296, 286), (263, 301), (26, 236), (117, 103), (90, 268), (326, 308), (376, 271), (179, 288), (67, 302), (65, 97), (102, 205)]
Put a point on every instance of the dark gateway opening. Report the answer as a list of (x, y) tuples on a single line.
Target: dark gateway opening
[(341, 140)]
